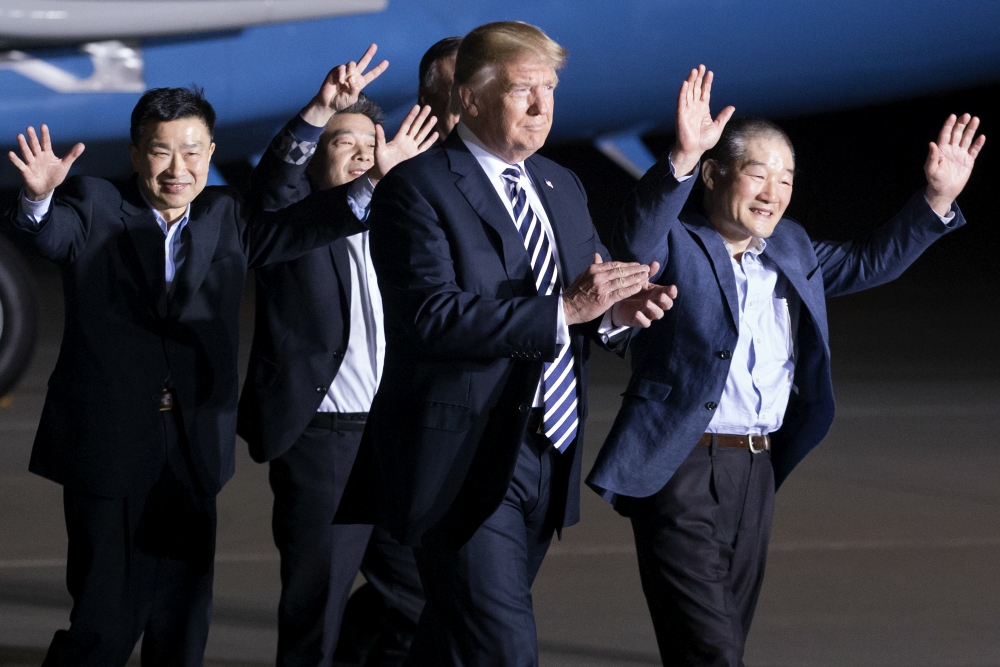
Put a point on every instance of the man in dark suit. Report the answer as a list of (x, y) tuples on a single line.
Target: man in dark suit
[(472, 451), (732, 389), (314, 368), (140, 417), (437, 77)]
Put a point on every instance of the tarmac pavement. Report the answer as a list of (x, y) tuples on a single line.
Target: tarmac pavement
[(884, 550)]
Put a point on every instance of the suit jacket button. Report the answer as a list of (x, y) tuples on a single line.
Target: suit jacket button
[(320, 390), (723, 354), (338, 354), (537, 354), (523, 408), (711, 405)]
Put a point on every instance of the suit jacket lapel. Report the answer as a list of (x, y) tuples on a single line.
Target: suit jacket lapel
[(148, 239), (790, 265), (714, 247), (342, 267), (482, 196), (200, 237)]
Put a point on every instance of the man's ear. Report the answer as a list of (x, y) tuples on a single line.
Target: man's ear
[(710, 174), (133, 152), (211, 150), (469, 100)]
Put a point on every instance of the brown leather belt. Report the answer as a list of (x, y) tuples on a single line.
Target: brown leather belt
[(755, 443)]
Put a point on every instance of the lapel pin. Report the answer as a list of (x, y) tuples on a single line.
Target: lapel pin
[(549, 183)]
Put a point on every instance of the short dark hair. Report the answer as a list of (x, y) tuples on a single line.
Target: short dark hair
[(442, 49), (166, 104), (365, 106), (732, 145)]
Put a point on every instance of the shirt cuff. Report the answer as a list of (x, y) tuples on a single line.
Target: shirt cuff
[(35, 211), (359, 196), (946, 219), (562, 329), (608, 330), (673, 172)]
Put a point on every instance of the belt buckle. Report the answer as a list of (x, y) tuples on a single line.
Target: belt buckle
[(750, 443), (166, 401)]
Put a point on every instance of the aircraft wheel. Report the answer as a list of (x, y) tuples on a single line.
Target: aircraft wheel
[(18, 315)]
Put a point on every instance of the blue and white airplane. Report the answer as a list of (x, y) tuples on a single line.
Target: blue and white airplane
[(80, 65)]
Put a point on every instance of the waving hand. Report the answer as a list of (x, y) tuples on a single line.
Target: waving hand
[(950, 160), (41, 169), (696, 131), (411, 139)]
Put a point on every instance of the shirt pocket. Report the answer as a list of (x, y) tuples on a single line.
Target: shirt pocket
[(783, 325)]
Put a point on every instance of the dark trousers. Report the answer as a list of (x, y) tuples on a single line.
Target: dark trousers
[(702, 544), (319, 560), (140, 564), (479, 610)]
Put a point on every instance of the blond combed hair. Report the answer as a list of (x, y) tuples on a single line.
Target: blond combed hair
[(493, 44)]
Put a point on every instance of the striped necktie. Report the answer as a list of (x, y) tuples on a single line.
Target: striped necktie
[(561, 420)]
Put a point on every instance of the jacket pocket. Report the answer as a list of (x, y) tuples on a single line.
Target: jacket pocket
[(444, 416), (652, 390), (265, 373)]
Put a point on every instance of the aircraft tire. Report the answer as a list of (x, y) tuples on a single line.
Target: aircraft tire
[(18, 315)]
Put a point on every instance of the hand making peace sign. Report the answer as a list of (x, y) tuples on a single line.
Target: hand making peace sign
[(341, 88)]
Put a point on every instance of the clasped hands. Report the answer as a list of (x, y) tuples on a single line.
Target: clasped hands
[(623, 287)]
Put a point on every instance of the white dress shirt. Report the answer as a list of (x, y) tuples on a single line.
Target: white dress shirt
[(354, 387)]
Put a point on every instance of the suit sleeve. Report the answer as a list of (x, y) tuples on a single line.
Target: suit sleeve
[(885, 253), (285, 219), (417, 279), (279, 179), (640, 233), (61, 235), (292, 231)]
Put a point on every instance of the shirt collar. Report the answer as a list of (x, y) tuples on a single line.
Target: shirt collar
[(491, 164), (160, 219), (755, 249)]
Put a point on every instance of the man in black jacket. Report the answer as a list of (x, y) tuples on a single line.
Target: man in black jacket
[(314, 367), (140, 417)]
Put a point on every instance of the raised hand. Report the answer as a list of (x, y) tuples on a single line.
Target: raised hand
[(950, 160), (41, 169), (696, 131), (600, 286), (411, 139), (647, 305), (341, 88)]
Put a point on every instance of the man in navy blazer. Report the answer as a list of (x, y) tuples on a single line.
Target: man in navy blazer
[(472, 450), (731, 389), (314, 368), (139, 423)]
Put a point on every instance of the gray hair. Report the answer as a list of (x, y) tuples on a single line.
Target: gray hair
[(732, 146)]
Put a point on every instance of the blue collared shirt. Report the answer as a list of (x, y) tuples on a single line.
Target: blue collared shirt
[(763, 364)]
